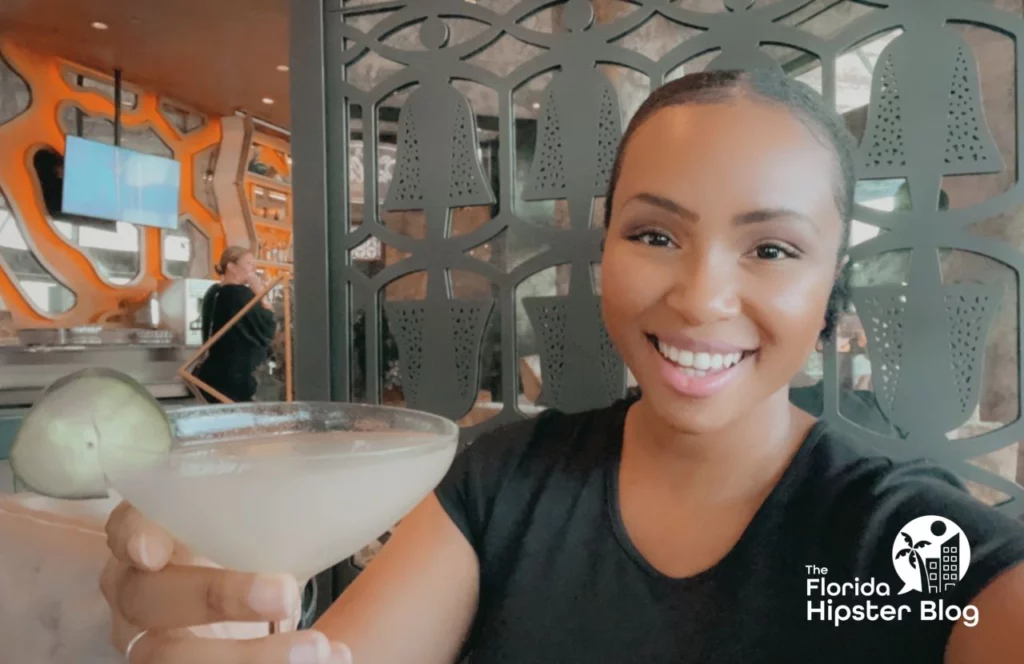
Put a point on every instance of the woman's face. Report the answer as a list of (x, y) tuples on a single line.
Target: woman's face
[(241, 271), (720, 257)]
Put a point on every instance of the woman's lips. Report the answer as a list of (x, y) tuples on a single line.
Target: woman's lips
[(698, 374)]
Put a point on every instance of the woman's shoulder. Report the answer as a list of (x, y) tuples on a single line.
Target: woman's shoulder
[(515, 463), (849, 463), (861, 504), (551, 437), (237, 290)]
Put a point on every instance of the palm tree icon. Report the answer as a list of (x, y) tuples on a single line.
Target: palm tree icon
[(914, 557)]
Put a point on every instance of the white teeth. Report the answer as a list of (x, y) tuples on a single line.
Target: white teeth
[(698, 364)]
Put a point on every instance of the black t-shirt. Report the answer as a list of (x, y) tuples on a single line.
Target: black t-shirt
[(562, 583)]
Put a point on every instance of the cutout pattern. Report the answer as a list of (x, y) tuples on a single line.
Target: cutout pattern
[(609, 130), (547, 175), (968, 317), (905, 136), (881, 314), (466, 334), (406, 188), (568, 355), (550, 321), (466, 186), (969, 146), (886, 148), (406, 324)]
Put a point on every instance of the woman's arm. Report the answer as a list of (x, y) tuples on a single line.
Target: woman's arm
[(416, 601), (998, 638)]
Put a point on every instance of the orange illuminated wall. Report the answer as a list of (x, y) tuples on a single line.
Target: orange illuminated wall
[(96, 299)]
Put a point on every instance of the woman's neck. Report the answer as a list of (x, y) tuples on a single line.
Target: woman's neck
[(742, 460)]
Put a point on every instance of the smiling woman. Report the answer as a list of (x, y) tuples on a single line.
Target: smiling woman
[(691, 524), (731, 251)]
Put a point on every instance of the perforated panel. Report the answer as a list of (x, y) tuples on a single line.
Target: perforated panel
[(467, 329), (407, 189), (609, 130), (580, 367), (547, 175), (406, 323), (969, 146), (884, 145), (970, 311), (925, 122), (881, 313), (467, 185), (439, 352)]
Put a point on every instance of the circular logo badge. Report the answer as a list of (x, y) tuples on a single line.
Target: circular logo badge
[(931, 554)]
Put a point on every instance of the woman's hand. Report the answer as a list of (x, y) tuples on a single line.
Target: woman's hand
[(255, 283), (153, 584)]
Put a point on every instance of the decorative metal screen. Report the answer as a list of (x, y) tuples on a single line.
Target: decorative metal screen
[(502, 118)]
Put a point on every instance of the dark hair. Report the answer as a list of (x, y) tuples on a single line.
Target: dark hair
[(772, 87)]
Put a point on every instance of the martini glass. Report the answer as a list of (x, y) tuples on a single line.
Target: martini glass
[(284, 487)]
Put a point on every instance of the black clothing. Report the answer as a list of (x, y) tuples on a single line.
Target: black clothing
[(231, 362), (858, 406), (562, 583)]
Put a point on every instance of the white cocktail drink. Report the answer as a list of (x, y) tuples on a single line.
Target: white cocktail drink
[(267, 487), (287, 502)]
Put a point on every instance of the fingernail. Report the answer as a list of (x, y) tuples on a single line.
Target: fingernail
[(340, 654), (152, 553), (140, 549), (310, 648), (273, 597)]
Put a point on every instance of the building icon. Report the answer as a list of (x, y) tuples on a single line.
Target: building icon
[(943, 572), (933, 570), (950, 562)]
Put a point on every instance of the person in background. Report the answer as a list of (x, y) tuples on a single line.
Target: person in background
[(861, 364), (231, 362)]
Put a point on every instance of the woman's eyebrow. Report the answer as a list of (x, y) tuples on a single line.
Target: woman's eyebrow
[(752, 217), (773, 214), (666, 204)]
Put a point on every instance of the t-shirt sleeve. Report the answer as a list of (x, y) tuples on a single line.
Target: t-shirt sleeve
[(906, 492), (469, 492), (996, 540)]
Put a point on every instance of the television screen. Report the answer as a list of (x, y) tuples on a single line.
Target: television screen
[(106, 182)]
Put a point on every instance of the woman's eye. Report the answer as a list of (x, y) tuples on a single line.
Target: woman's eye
[(653, 239), (773, 252)]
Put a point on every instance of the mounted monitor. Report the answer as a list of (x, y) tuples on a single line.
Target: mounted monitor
[(106, 182)]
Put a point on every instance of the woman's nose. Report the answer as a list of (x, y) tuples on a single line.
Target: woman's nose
[(705, 290)]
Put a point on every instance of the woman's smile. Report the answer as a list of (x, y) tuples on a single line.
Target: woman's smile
[(699, 369)]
